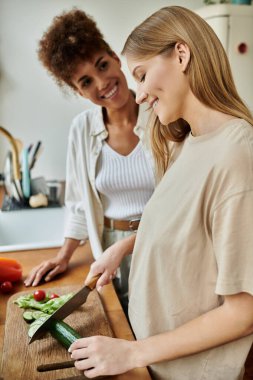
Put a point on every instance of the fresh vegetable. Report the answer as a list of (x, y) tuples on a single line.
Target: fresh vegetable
[(10, 270), (39, 312), (28, 302), (39, 295), (6, 287), (37, 323), (63, 333), (47, 306), (28, 316), (53, 295), (60, 330)]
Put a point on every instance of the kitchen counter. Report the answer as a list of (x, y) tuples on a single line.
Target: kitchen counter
[(78, 269)]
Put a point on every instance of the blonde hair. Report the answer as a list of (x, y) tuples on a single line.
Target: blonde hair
[(209, 72)]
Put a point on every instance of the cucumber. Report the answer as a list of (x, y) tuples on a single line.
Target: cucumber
[(36, 324), (60, 330), (63, 333), (28, 316), (38, 314)]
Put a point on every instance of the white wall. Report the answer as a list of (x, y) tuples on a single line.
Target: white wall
[(32, 107)]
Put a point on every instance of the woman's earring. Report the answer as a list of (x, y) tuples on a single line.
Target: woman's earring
[(180, 60)]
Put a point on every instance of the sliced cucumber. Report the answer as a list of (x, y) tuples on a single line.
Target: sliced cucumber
[(63, 333), (38, 314), (28, 316), (36, 324), (60, 330)]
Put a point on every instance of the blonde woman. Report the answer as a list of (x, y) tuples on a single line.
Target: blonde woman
[(191, 279)]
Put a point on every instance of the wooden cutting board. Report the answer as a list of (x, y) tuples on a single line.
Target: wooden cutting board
[(20, 360)]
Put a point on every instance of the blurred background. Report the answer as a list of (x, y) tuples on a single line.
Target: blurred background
[(32, 107)]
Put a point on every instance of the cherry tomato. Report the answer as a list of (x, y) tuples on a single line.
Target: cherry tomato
[(53, 295), (6, 287), (39, 295)]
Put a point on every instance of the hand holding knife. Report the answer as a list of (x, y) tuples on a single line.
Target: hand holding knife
[(64, 365), (72, 304)]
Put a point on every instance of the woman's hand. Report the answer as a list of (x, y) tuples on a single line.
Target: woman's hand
[(103, 356), (110, 260), (50, 268), (106, 265)]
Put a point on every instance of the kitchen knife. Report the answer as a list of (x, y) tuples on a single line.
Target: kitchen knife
[(54, 366), (83, 377), (72, 304), (35, 154), (64, 365)]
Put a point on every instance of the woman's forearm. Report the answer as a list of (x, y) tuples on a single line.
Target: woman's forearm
[(68, 248), (126, 245), (100, 355), (108, 263), (231, 321)]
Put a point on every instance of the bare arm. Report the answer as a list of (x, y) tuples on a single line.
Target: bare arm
[(50, 268), (231, 321), (108, 263)]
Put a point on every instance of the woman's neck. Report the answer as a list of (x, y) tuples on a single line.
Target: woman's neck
[(203, 119)]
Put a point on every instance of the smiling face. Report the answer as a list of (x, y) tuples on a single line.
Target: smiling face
[(101, 81), (162, 83)]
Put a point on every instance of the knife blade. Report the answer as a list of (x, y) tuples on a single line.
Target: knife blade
[(72, 304)]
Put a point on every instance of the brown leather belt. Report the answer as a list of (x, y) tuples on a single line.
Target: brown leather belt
[(122, 225)]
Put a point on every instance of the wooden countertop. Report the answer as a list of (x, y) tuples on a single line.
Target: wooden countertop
[(75, 275), (78, 269)]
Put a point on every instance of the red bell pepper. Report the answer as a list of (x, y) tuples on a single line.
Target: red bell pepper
[(10, 270)]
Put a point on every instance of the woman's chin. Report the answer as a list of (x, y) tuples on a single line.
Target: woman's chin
[(163, 120), (167, 120)]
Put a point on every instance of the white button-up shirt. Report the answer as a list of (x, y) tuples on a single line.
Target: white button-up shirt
[(85, 216)]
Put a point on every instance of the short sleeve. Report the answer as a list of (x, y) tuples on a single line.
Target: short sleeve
[(232, 233)]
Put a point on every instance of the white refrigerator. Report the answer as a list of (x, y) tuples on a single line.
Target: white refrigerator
[(233, 24)]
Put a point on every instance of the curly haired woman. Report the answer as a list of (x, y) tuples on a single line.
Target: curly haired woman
[(110, 174)]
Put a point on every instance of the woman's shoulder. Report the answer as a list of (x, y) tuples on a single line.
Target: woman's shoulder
[(238, 137), (86, 118), (234, 153)]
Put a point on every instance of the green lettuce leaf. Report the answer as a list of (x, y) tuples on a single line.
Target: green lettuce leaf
[(47, 306)]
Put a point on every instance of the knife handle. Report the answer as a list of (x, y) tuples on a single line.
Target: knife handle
[(92, 283), (54, 366)]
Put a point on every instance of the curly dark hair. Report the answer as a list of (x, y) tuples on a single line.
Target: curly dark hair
[(73, 37)]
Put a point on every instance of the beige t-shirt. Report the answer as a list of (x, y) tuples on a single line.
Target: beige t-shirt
[(195, 245)]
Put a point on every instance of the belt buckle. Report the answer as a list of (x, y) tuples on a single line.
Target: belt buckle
[(131, 224)]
